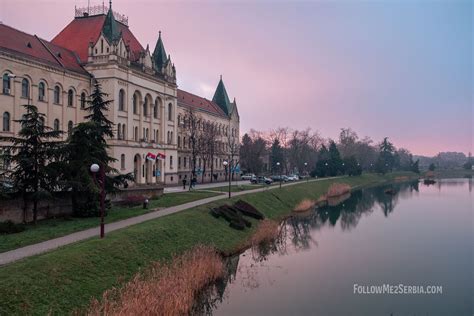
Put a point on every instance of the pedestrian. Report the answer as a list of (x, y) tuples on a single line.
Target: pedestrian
[(194, 182), (184, 184)]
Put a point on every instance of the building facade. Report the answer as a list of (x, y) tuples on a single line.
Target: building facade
[(148, 109)]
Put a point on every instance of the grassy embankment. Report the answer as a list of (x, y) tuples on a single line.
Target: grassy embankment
[(452, 173), (65, 279), (54, 228)]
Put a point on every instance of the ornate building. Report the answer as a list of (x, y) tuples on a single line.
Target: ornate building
[(149, 111)]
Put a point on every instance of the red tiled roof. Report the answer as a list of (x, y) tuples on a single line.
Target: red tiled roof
[(32, 46), (77, 35), (192, 100)]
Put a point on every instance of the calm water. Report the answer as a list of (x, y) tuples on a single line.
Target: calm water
[(422, 235)]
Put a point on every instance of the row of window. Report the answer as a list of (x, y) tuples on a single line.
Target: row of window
[(6, 127), (147, 105), (218, 163), (220, 129), (26, 91)]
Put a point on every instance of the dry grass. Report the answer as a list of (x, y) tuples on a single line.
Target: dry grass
[(402, 179), (267, 231), (304, 205), (333, 201), (337, 189), (164, 289)]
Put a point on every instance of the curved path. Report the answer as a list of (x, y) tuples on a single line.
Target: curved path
[(35, 249)]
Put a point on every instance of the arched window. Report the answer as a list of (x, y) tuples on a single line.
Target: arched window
[(6, 122), (155, 109), (184, 142), (6, 83), (122, 161), (136, 134), (170, 112), (69, 127), (57, 94), (56, 125), (25, 88), (121, 100), (179, 141), (119, 131), (124, 135), (41, 91), (83, 100), (179, 120), (70, 98), (135, 103), (157, 136), (145, 107)]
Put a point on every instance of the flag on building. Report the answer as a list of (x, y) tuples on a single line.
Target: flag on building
[(151, 156), (160, 156)]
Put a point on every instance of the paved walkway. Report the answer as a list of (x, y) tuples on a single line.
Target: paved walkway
[(204, 186), (35, 249)]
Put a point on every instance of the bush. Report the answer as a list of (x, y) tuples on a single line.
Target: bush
[(132, 200), (8, 227)]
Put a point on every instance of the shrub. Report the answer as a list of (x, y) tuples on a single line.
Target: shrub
[(267, 231), (337, 189), (304, 205), (8, 227), (132, 200), (248, 210)]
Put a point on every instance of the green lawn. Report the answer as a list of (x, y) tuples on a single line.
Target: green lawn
[(53, 228), (65, 279)]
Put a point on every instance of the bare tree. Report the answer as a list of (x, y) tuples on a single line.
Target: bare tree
[(192, 121), (209, 146), (233, 148)]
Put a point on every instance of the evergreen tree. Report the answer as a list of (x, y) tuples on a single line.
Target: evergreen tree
[(31, 154), (416, 166), (276, 155), (322, 165), (386, 157), (432, 167), (352, 167), (335, 161), (87, 145)]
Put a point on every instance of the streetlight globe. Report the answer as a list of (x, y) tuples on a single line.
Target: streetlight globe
[(95, 168), (225, 163), (305, 163), (278, 163)]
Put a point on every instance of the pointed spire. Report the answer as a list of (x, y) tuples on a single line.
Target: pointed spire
[(110, 28), (159, 54), (221, 97)]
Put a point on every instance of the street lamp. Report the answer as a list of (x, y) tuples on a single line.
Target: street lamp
[(227, 166), (95, 168), (306, 170), (281, 179)]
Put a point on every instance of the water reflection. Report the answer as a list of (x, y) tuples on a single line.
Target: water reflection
[(298, 235)]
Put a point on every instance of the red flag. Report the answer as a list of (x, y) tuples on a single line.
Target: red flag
[(160, 156), (151, 156)]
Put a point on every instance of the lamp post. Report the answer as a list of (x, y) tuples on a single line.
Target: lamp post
[(227, 166), (95, 168), (306, 170), (278, 164)]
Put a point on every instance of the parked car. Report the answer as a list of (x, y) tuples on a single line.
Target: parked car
[(247, 176), (293, 177), (277, 178), (261, 180)]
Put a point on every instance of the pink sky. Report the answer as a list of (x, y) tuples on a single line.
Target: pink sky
[(384, 69)]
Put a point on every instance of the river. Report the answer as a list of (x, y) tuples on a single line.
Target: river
[(332, 260)]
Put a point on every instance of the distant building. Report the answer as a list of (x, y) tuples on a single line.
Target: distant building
[(57, 77)]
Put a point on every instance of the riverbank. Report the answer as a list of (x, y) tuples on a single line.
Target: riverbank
[(63, 280)]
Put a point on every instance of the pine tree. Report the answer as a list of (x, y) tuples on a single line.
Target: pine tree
[(386, 159), (276, 155), (31, 154), (335, 161)]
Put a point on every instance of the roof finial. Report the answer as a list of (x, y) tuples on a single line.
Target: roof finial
[(110, 4), (221, 77)]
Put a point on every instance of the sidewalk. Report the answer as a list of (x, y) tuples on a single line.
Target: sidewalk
[(36, 249), (178, 189)]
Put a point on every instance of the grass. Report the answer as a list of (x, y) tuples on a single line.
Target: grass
[(53, 228), (68, 278)]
